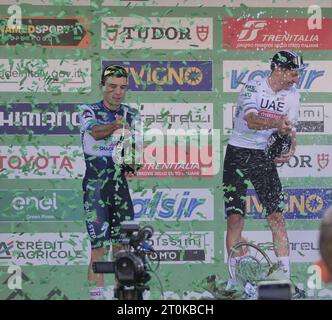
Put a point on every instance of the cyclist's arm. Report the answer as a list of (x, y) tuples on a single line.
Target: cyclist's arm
[(102, 131), (91, 125), (254, 121), (248, 102)]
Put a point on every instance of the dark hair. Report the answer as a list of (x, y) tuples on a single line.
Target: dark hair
[(113, 70)]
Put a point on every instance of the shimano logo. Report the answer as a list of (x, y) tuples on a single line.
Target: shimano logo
[(36, 119)]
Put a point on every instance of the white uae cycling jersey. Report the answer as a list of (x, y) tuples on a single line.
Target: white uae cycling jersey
[(257, 96)]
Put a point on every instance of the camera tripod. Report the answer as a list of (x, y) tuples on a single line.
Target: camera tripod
[(130, 293)]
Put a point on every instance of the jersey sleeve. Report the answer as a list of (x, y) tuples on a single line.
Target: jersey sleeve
[(248, 98), (87, 118)]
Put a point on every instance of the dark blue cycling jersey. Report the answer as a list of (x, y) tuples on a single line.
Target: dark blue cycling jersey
[(99, 153)]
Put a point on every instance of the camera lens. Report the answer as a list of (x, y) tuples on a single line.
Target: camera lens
[(125, 266)]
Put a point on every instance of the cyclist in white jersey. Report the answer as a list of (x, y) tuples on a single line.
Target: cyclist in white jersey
[(264, 106)]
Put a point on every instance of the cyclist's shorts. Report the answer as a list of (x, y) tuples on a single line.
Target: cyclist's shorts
[(107, 203), (242, 165)]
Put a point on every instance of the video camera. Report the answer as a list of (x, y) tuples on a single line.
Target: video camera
[(130, 265)]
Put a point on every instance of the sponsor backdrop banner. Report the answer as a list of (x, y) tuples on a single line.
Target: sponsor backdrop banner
[(167, 75), (187, 61), (157, 33), (303, 244), (316, 78)]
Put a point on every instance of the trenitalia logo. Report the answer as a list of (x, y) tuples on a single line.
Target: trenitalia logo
[(316, 78), (44, 118), (178, 162), (250, 30), (173, 204), (167, 75), (299, 204), (52, 75), (303, 244), (157, 33), (269, 34), (313, 118)]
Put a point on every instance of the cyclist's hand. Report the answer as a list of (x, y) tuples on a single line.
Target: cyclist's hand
[(284, 126)]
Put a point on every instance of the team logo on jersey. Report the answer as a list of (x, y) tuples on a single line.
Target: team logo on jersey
[(272, 105), (250, 88), (103, 115)]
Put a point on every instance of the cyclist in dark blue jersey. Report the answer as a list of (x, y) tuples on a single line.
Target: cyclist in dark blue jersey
[(107, 129)]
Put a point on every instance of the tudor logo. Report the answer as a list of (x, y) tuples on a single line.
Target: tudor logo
[(251, 29), (157, 33), (323, 160), (202, 32), (298, 161), (112, 32)]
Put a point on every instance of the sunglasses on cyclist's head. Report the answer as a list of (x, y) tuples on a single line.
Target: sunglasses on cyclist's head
[(114, 70), (294, 64)]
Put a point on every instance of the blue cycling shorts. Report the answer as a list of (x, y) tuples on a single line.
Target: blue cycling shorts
[(107, 203)]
